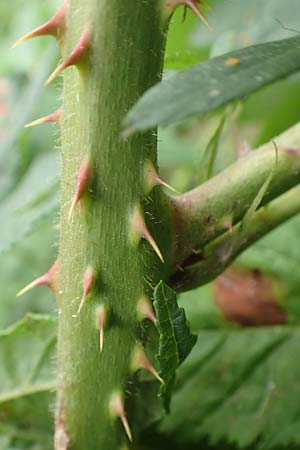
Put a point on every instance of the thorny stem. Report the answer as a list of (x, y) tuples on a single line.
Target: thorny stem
[(125, 59), (221, 252), (207, 211)]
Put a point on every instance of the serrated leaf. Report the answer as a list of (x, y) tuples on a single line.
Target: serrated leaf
[(214, 83), (34, 199), (27, 382), (175, 339), (240, 387)]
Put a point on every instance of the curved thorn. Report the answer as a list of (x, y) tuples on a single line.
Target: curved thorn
[(102, 314), (75, 57), (83, 180), (54, 27), (153, 179), (192, 5), (145, 310), (140, 361), (139, 229), (117, 409), (48, 279), (51, 118), (88, 284)]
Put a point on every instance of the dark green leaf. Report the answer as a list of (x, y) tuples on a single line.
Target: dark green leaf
[(175, 340), (241, 387), (32, 201), (27, 379), (214, 83)]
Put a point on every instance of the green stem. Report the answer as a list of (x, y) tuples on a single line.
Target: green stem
[(221, 252), (125, 60), (207, 211)]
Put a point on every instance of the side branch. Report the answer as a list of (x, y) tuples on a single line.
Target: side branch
[(209, 210), (221, 252)]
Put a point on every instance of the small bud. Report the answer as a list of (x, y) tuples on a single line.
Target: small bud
[(116, 408), (139, 229), (49, 279), (140, 361), (83, 180), (145, 309), (56, 27), (152, 178), (171, 5), (77, 57), (52, 118), (101, 322), (88, 284)]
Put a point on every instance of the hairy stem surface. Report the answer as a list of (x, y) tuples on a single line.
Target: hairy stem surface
[(125, 59)]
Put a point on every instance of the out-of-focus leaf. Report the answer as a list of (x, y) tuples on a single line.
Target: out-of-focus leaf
[(214, 83), (27, 378), (241, 387), (175, 339), (209, 156), (25, 261), (239, 22), (14, 122), (26, 349), (34, 199)]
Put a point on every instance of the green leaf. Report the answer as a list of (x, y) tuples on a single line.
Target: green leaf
[(175, 339), (214, 83), (34, 199), (27, 382), (208, 160), (241, 387)]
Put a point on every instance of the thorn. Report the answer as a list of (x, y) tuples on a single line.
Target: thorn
[(117, 409), (140, 361), (52, 118), (76, 57), (49, 279), (82, 184), (139, 229), (88, 284), (192, 4), (171, 5), (145, 310), (56, 27), (152, 178), (101, 315)]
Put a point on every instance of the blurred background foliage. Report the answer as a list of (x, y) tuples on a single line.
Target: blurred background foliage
[(243, 409)]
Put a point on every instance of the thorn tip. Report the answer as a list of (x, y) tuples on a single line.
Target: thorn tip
[(88, 284), (75, 57), (83, 180), (54, 27), (49, 279), (117, 409), (139, 229)]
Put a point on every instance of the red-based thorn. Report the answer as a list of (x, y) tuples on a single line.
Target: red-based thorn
[(101, 315), (76, 57), (117, 409), (145, 310), (88, 284), (193, 5), (49, 279), (83, 180), (56, 27), (139, 229), (153, 179), (55, 117), (140, 361)]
